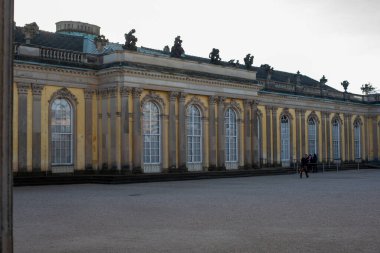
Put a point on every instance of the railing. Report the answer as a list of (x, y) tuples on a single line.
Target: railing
[(62, 55)]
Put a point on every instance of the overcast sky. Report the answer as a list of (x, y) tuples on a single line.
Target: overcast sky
[(336, 38)]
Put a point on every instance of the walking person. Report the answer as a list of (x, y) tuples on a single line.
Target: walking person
[(304, 164)]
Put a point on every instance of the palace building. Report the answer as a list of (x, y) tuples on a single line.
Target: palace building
[(82, 103)]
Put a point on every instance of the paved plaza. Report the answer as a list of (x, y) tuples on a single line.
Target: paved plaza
[(328, 212)]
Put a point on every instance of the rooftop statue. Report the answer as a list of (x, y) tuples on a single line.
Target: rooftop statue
[(233, 63), (100, 41), (130, 41), (323, 80), (345, 85), (177, 50), (248, 60), (267, 68), (30, 31), (214, 56)]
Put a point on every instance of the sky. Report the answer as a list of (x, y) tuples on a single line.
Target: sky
[(336, 38)]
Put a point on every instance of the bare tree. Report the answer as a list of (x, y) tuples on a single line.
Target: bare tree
[(368, 88)]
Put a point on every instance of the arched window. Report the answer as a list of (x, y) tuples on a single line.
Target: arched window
[(336, 139), (312, 136), (194, 135), (61, 132), (151, 133), (357, 139), (285, 138), (230, 125)]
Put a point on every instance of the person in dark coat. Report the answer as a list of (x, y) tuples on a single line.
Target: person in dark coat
[(315, 160), (304, 163)]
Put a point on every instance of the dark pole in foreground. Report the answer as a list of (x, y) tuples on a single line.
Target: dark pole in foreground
[(6, 88)]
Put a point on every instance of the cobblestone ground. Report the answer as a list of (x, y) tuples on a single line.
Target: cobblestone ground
[(328, 212)]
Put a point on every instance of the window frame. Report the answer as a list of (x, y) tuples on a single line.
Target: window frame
[(52, 132), (190, 120), (227, 139)]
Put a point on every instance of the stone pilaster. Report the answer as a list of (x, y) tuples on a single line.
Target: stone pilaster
[(328, 136), (113, 164), (247, 136), (136, 130), (322, 155), (99, 129), (375, 138), (124, 121), (298, 134), (221, 135), (303, 132), (104, 136), (22, 89), (347, 143), (88, 94), (268, 110), (182, 132), (212, 134), (254, 133), (172, 142), (36, 128), (6, 105), (275, 137)]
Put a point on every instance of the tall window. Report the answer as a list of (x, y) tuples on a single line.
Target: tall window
[(357, 139), (312, 134), (230, 125), (62, 132), (194, 135), (336, 139), (151, 133), (285, 139)]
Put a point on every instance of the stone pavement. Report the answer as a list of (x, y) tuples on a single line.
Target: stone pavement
[(328, 212)]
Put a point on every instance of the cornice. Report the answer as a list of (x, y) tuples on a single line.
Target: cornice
[(52, 68), (175, 78)]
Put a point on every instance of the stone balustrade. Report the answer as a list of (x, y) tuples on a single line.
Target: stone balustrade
[(62, 55)]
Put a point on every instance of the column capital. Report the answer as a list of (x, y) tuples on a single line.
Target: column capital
[(136, 92), (23, 88), (125, 91), (112, 91), (37, 89), (347, 115), (173, 95), (182, 97), (103, 92), (247, 103), (212, 100), (88, 93), (253, 103), (221, 100), (300, 111)]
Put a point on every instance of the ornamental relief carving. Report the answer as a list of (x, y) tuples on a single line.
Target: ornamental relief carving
[(358, 120), (233, 104), (152, 96), (65, 94), (196, 102), (337, 117), (285, 112), (313, 116)]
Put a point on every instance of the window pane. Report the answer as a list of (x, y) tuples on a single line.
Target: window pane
[(194, 134), (151, 133), (230, 126), (61, 132)]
